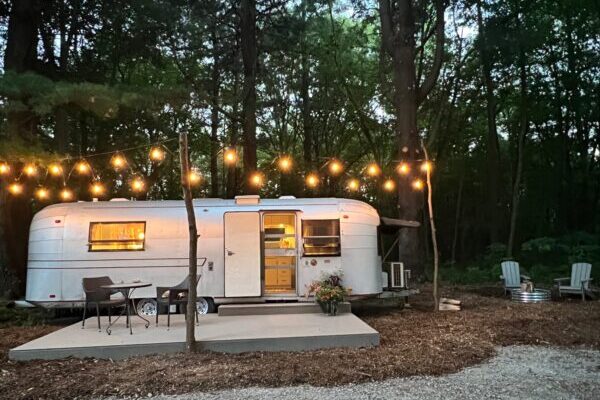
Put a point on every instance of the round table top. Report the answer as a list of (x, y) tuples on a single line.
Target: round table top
[(130, 285)]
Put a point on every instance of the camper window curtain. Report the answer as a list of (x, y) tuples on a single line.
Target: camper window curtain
[(117, 236), (321, 237)]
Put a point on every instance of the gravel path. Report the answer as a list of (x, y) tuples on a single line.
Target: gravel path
[(516, 372)]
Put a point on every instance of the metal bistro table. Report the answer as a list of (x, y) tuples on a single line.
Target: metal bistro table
[(127, 290)]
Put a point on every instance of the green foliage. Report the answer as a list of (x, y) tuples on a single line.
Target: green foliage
[(21, 316)]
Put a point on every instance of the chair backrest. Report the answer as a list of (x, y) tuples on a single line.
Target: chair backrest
[(93, 290), (511, 273), (580, 272)]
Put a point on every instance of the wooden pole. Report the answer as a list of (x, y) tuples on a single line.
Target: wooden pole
[(190, 337), (436, 306)]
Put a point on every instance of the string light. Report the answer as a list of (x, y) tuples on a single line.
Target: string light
[(256, 179), (137, 184), (426, 166), (389, 185), (118, 162), (15, 188), (157, 154), (83, 167), (312, 180), (284, 163), (42, 194), (194, 177), (4, 168), (66, 194), (373, 169), (403, 168), (230, 156), (55, 169), (353, 185), (97, 189), (335, 167), (30, 170), (418, 184)]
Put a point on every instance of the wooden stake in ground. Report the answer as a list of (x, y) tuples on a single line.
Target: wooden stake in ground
[(436, 306), (190, 337)]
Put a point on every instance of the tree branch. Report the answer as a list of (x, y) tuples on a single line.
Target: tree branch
[(430, 80)]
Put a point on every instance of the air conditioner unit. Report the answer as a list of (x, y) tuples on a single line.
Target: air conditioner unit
[(398, 275)]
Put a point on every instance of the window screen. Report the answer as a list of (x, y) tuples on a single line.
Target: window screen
[(321, 237), (117, 236)]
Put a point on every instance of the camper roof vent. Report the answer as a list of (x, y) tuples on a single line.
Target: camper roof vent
[(287, 197), (247, 200), (119, 199)]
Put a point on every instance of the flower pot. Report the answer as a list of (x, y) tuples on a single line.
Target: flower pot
[(333, 308), (324, 306)]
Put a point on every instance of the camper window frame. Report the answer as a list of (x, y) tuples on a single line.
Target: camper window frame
[(90, 242), (338, 236)]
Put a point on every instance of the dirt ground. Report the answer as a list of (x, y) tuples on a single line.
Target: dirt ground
[(414, 341)]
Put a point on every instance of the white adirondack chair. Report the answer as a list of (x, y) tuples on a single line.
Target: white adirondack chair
[(511, 276), (579, 282)]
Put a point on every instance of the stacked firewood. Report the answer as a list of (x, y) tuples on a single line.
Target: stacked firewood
[(450, 304)]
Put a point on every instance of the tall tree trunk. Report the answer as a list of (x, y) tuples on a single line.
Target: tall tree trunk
[(232, 176), (524, 123), (307, 142), (457, 215), (214, 120), (190, 338), (250, 60), (398, 37), (493, 152)]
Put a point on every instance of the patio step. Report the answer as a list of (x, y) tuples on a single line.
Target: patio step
[(227, 310)]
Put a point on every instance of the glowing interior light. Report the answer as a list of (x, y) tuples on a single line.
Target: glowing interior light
[(118, 161), (141, 236), (4, 168), (194, 177), (230, 156), (389, 185), (15, 188), (82, 167), (373, 169), (137, 184), (403, 168), (66, 194), (97, 189), (284, 164), (353, 184), (312, 180), (55, 169), (42, 194), (335, 167), (157, 154), (418, 184), (256, 179), (426, 166), (30, 170)]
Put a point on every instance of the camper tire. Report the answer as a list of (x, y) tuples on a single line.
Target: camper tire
[(205, 305), (146, 307)]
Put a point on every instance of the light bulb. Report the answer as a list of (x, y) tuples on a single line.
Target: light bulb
[(157, 154), (55, 169), (230, 156), (97, 189), (335, 167), (353, 185), (15, 188), (83, 167), (66, 194), (284, 164), (418, 184), (42, 194), (426, 166), (256, 179), (389, 185), (403, 168), (312, 180), (118, 161), (137, 184), (30, 170), (4, 168), (194, 177), (373, 169)]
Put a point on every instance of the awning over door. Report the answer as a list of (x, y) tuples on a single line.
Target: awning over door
[(391, 225)]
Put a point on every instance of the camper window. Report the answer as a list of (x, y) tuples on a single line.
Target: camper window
[(117, 236), (321, 237)]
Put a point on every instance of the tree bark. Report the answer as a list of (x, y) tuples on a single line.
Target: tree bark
[(493, 152), (190, 338), (398, 37), (214, 120), (250, 60)]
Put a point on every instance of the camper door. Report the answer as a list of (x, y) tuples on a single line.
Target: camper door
[(242, 254)]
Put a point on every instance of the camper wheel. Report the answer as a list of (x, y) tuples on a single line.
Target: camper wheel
[(146, 307), (205, 305)]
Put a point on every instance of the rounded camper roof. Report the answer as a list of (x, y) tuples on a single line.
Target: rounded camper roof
[(240, 201)]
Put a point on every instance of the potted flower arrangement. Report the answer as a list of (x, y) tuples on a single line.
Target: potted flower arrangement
[(329, 292)]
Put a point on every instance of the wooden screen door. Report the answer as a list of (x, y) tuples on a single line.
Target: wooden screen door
[(242, 254)]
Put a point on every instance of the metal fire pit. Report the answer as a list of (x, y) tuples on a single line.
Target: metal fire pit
[(535, 296)]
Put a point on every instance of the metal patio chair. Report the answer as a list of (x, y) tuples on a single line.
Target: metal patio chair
[(511, 276), (101, 298), (173, 295), (579, 282)]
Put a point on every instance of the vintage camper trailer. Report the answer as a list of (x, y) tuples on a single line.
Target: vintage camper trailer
[(250, 249)]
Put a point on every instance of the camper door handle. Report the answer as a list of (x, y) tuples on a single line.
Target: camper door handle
[(229, 252)]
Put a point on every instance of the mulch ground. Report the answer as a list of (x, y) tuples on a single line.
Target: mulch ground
[(414, 341)]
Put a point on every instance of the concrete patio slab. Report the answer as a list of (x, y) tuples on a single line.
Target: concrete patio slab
[(230, 334)]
